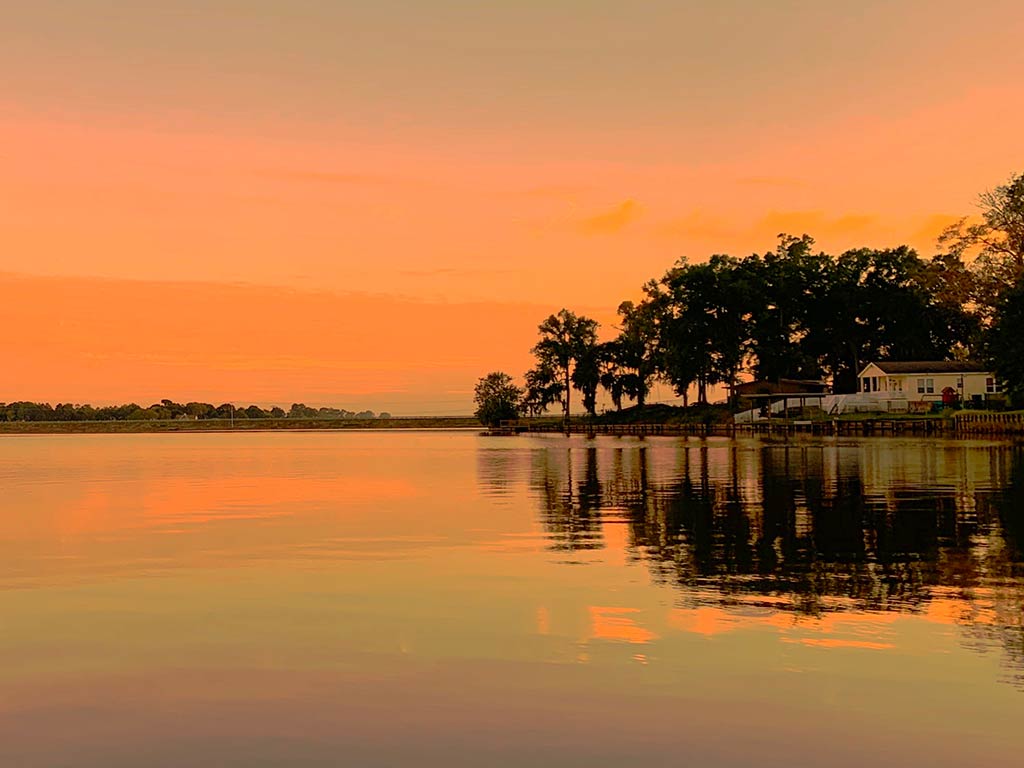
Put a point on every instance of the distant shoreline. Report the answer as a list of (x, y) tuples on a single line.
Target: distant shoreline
[(239, 425)]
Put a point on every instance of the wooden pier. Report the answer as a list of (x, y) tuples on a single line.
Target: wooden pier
[(636, 430), (989, 423), (850, 427), (774, 428), (960, 425)]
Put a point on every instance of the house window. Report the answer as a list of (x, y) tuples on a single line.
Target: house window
[(929, 386), (920, 386), (896, 385), (866, 385), (874, 383), (992, 386)]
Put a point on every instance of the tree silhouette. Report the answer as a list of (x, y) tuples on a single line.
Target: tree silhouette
[(566, 339)]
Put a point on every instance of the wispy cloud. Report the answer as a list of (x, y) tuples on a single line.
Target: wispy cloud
[(771, 181), (558, 191), (455, 272), (798, 222), (612, 221), (932, 226), (704, 226), (699, 224), (321, 177)]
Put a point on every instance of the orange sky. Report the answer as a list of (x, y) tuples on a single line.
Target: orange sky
[(372, 204)]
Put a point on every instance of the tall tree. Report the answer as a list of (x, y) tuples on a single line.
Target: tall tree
[(542, 389), (565, 340), (877, 305), (997, 241), (682, 359), (705, 322), (614, 374), (787, 282), (1006, 342), (586, 376), (951, 292), (637, 350)]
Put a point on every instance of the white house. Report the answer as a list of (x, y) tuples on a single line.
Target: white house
[(947, 381)]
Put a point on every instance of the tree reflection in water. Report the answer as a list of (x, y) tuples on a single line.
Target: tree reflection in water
[(809, 528), (572, 504)]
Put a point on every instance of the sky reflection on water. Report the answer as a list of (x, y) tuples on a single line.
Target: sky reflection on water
[(446, 599)]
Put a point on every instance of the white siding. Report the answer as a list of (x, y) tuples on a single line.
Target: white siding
[(927, 386)]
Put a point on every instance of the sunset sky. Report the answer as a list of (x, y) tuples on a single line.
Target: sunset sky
[(371, 204)]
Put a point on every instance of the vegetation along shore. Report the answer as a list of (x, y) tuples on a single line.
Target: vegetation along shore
[(797, 316), (236, 425), (25, 417)]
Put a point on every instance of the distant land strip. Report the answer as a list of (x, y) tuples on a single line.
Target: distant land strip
[(239, 425)]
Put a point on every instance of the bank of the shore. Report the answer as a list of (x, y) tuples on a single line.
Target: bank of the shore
[(238, 425), (651, 421)]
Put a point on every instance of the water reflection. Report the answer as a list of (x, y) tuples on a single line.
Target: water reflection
[(810, 529), (446, 599), (572, 502)]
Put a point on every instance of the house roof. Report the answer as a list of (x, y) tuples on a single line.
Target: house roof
[(931, 366)]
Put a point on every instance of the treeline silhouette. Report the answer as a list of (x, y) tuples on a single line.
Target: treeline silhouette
[(792, 313), (168, 410)]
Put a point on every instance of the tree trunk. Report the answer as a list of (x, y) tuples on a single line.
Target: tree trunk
[(856, 367), (568, 389)]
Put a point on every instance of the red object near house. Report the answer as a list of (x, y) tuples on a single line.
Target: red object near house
[(949, 396)]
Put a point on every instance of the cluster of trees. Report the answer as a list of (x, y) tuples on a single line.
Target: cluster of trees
[(797, 312), (167, 410)]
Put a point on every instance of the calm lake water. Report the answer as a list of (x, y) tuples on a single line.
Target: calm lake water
[(444, 599)]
